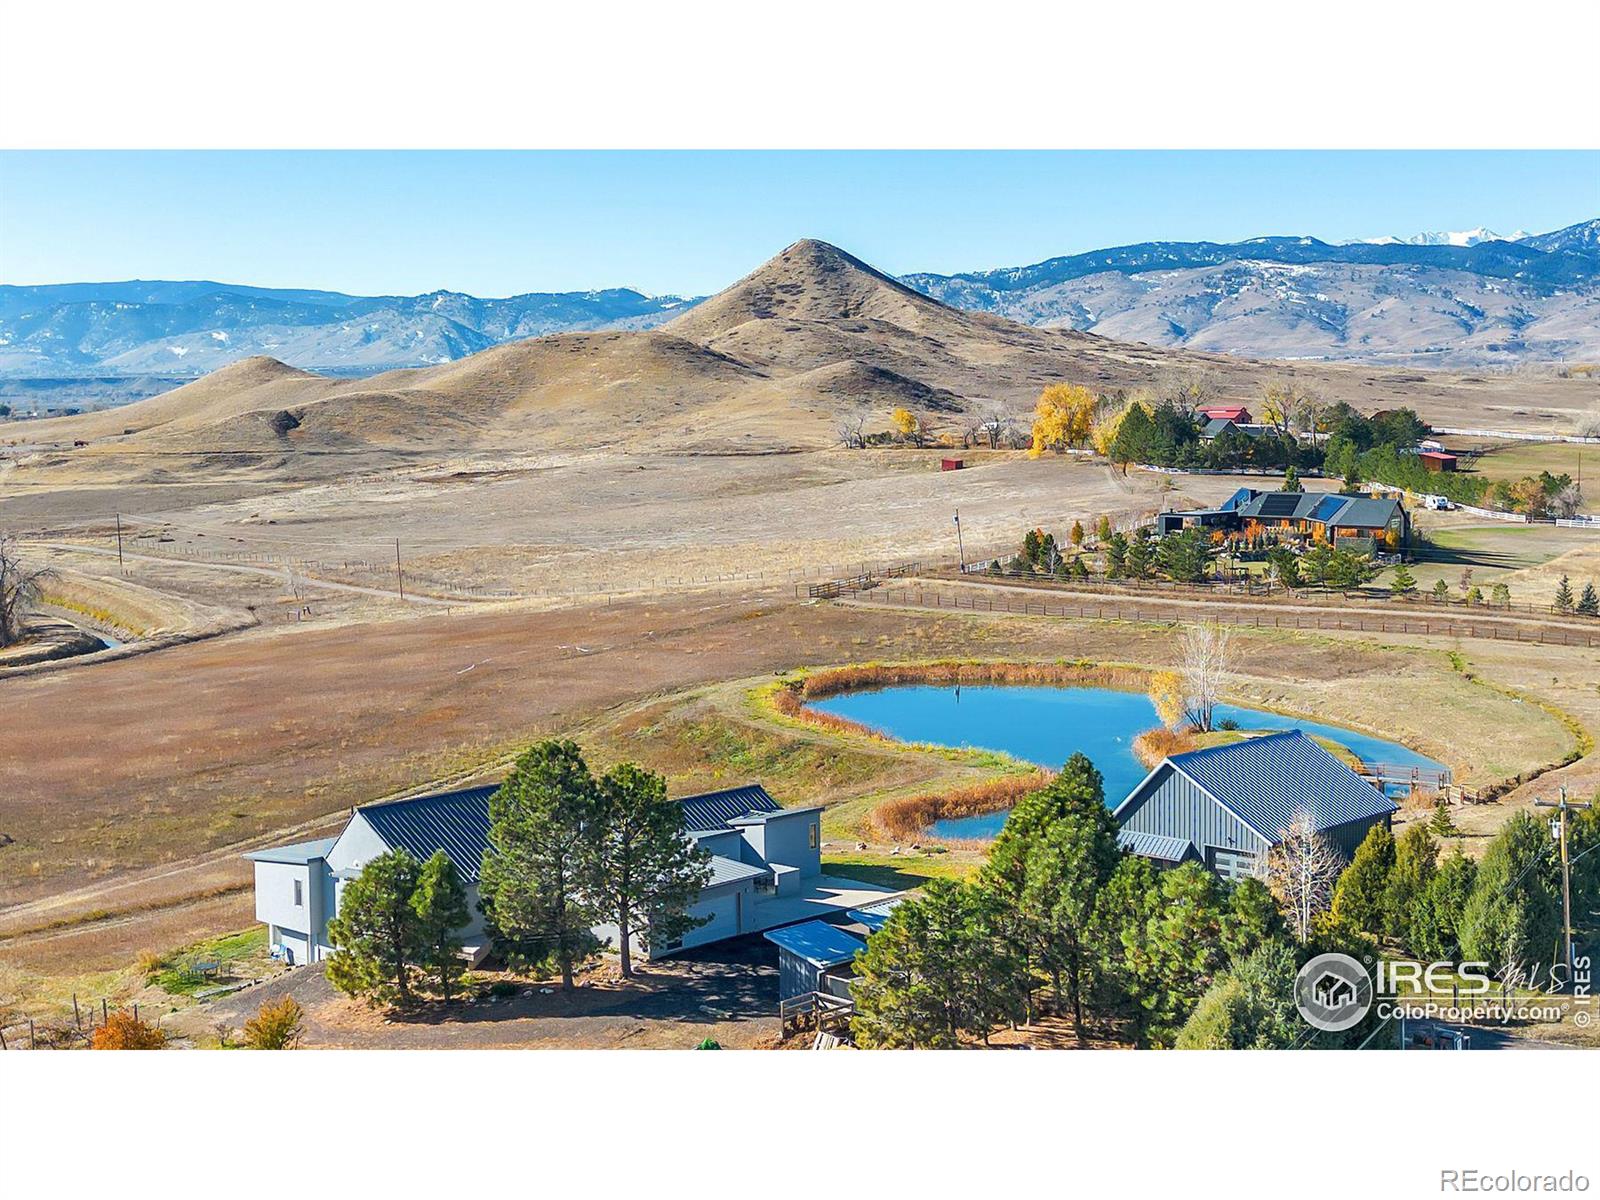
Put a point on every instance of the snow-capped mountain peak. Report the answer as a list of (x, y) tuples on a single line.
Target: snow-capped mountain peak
[(1462, 237)]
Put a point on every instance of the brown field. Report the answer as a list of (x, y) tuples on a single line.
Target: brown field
[(645, 508)]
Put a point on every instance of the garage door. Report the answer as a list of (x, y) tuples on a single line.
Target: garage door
[(1231, 864)]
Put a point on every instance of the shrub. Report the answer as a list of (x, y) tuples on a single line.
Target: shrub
[(908, 816), (500, 989), (124, 1031), (275, 1026)]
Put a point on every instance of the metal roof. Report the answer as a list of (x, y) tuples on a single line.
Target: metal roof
[(1265, 780), (819, 943), (731, 870), (1366, 512), (295, 852), (1154, 845), (875, 915), (713, 810), (455, 822)]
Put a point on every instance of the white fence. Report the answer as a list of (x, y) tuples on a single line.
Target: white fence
[(1520, 437)]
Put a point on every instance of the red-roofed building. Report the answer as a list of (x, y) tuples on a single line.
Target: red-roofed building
[(1437, 460), (1237, 413)]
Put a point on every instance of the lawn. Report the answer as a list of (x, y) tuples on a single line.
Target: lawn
[(1492, 552), (1529, 458)]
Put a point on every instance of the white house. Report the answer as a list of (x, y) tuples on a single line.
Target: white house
[(766, 867)]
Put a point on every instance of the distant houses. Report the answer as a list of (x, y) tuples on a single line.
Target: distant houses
[(766, 868), (1227, 806)]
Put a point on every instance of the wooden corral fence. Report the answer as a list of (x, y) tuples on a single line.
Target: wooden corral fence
[(1417, 778), (816, 1010), (1110, 610), (832, 589)]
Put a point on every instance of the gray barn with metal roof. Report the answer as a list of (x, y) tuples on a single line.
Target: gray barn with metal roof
[(1228, 805)]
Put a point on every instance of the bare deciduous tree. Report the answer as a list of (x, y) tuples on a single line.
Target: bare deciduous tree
[(1205, 657), (852, 430), (1301, 871), (999, 428), (19, 590)]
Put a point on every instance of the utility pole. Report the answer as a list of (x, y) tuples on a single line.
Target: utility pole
[(399, 575), (961, 549), (119, 542), (1562, 806)]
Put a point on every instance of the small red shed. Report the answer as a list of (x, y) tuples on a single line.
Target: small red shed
[(1437, 460), (951, 464)]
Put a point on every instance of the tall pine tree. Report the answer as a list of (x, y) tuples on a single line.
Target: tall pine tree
[(647, 871), (376, 937), (538, 871), (440, 902), (1359, 897)]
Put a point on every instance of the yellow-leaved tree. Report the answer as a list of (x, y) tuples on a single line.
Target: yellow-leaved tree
[(1062, 417), (1167, 694), (1104, 431)]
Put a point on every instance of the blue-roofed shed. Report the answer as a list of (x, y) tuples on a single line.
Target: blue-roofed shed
[(1228, 805), (815, 956)]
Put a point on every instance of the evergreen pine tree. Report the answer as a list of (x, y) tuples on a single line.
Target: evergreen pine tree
[(1441, 591), (1589, 602), (1564, 596), (1416, 857), (1116, 556), (1403, 582), (1436, 928), (1513, 917), (1291, 481), (440, 902), (376, 937), (1359, 896), (538, 871), (1442, 823), (648, 870)]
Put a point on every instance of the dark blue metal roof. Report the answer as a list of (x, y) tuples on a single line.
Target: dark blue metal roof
[(1154, 845), (455, 822), (1238, 500), (713, 810), (1265, 781), (819, 943)]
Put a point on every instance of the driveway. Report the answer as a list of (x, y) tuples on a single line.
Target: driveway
[(728, 992)]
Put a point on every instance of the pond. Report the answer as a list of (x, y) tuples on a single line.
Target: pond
[(1045, 725)]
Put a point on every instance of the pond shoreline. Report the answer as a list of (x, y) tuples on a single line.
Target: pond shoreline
[(922, 815)]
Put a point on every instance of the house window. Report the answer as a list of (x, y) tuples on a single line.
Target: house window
[(813, 835), (299, 896)]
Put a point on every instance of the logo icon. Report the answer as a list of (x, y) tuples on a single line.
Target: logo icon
[(1333, 992)]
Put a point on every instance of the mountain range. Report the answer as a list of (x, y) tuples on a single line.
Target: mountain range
[(812, 338), (1488, 303)]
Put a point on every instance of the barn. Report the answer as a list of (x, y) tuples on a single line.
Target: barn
[(1227, 806)]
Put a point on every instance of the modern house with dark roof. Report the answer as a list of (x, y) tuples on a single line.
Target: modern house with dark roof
[(1328, 515), (1226, 806), (766, 867)]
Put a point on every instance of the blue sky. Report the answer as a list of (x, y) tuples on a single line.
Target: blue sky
[(501, 222)]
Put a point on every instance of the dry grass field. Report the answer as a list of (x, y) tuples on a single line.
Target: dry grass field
[(645, 505)]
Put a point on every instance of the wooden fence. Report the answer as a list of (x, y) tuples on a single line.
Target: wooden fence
[(921, 597)]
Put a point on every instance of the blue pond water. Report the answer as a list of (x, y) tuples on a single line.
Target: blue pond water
[(1045, 725)]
